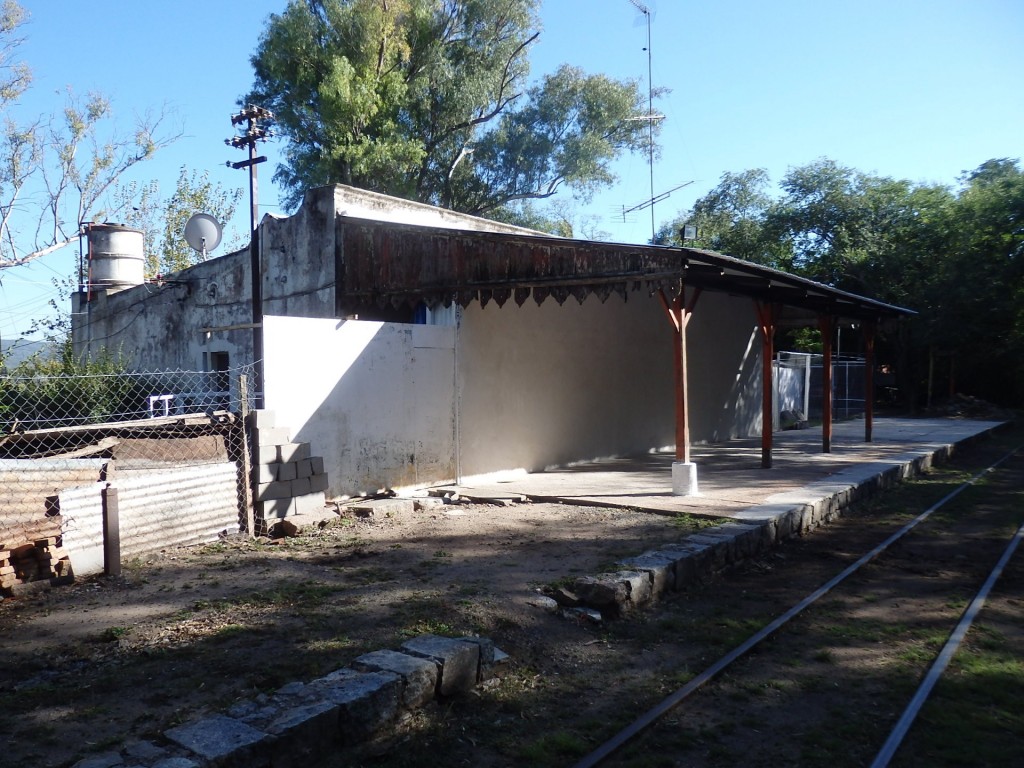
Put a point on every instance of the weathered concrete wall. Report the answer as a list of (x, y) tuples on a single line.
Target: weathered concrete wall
[(158, 327), (375, 400)]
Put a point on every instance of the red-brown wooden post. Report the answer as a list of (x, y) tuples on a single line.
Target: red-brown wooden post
[(827, 324), (767, 316)]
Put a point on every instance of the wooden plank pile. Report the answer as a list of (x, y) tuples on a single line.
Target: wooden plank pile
[(38, 556)]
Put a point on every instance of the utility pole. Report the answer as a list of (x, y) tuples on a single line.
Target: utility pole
[(250, 118)]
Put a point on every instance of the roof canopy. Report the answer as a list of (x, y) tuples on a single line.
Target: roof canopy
[(386, 263)]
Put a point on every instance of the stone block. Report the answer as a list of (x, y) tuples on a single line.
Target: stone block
[(318, 483), (274, 490), (222, 740), (720, 545), (316, 465), (419, 675), (367, 701), (292, 452), (285, 472), (459, 661), (310, 504), (302, 732), (300, 486), (273, 436), (104, 760), (266, 473), (304, 468), (606, 593), (639, 585), (175, 762), (659, 567)]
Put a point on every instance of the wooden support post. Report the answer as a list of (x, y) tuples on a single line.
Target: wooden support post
[(827, 324), (684, 475), (767, 317), (111, 532), (869, 379)]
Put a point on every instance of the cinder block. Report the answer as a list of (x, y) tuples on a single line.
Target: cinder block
[(311, 504), (304, 468), (292, 452), (266, 473), (274, 509), (273, 436), (318, 483), (262, 419), (287, 471), (459, 661), (300, 486), (317, 463), (274, 490)]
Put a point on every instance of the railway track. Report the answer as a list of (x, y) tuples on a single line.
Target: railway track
[(966, 534)]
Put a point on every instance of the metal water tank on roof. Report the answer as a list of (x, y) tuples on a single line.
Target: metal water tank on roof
[(116, 257)]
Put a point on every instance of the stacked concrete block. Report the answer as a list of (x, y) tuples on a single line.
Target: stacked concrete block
[(288, 479)]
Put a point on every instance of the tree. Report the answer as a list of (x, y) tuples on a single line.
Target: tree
[(68, 163), (163, 221), (732, 218), (427, 100)]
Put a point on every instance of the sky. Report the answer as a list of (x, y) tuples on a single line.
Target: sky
[(916, 89)]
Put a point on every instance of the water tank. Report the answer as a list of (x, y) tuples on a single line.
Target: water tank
[(116, 259)]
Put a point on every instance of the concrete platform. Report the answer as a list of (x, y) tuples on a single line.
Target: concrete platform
[(731, 480)]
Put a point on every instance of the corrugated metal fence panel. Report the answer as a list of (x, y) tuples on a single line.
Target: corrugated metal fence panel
[(181, 505), (82, 513), (25, 485)]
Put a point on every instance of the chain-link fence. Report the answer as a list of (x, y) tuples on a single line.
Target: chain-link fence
[(799, 385), (99, 467)]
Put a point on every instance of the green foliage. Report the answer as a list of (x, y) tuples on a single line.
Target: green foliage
[(956, 256), (62, 390), (427, 100), (163, 221)]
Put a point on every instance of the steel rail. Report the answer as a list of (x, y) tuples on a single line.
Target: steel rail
[(659, 710), (938, 667)]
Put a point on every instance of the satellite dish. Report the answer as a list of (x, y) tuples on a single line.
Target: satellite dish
[(203, 233)]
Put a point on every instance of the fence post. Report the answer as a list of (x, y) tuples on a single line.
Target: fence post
[(250, 515), (111, 532)]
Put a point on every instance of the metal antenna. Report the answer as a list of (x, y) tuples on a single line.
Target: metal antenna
[(650, 106)]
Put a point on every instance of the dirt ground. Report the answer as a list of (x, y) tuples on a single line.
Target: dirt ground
[(91, 665)]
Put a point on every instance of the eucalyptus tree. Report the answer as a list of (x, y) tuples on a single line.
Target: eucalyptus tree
[(431, 100)]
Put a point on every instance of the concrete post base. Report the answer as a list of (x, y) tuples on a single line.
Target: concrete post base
[(684, 478)]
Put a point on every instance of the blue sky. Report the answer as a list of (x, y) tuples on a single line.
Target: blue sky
[(916, 89)]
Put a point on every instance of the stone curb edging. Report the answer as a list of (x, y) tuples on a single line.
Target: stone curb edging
[(646, 577), (302, 720)]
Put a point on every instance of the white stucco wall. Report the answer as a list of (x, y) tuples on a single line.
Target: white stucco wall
[(375, 400), (549, 385)]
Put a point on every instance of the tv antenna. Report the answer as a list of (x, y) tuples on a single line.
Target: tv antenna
[(650, 117), (203, 233)]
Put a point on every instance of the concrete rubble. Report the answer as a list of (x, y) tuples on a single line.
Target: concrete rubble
[(300, 721)]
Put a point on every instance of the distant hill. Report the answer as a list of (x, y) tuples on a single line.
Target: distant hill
[(15, 351)]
